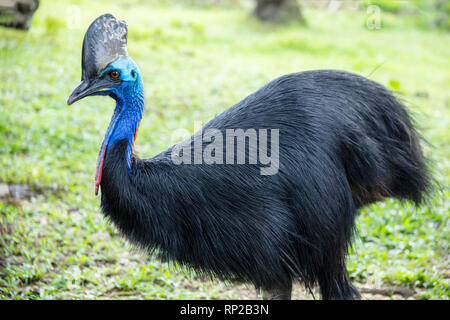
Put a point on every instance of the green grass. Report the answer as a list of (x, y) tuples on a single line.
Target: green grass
[(196, 62)]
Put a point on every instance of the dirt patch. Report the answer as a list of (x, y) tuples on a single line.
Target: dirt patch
[(388, 291), (20, 191), (18, 194), (244, 292), (14, 193)]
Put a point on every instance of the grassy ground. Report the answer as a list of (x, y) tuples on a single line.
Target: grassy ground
[(54, 242)]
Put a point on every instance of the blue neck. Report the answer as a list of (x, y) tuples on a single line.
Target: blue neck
[(125, 121)]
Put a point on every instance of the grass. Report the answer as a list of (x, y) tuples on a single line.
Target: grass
[(196, 62)]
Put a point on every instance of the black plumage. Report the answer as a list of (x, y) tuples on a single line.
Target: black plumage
[(345, 141)]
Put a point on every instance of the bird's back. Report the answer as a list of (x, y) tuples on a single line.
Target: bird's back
[(334, 118), (344, 141)]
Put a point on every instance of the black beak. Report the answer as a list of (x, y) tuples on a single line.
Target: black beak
[(79, 92), (86, 88)]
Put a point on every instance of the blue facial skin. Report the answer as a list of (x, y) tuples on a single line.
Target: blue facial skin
[(129, 96)]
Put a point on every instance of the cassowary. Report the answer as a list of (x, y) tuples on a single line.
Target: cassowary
[(343, 142)]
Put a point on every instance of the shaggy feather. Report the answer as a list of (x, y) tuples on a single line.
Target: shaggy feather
[(345, 142)]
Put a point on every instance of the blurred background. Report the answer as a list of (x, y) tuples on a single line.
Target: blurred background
[(197, 59)]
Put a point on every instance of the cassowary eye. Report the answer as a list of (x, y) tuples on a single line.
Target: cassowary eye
[(114, 74)]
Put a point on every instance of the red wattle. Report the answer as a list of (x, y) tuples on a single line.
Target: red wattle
[(98, 174), (134, 137)]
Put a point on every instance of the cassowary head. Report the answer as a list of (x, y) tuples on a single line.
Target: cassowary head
[(108, 70), (106, 67)]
